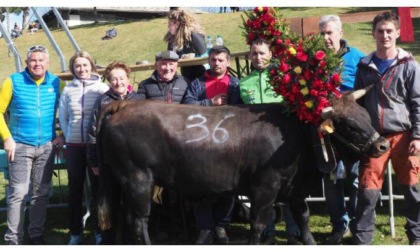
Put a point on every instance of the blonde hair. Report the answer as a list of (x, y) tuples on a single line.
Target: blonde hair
[(187, 24), (82, 54)]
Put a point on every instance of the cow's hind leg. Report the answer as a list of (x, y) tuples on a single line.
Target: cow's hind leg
[(300, 212), (138, 199)]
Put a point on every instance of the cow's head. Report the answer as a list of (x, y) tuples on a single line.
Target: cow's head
[(352, 126)]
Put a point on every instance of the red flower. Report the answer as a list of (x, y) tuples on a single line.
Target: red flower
[(308, 89), (313, 92), (286, 79), (301, 56), (319, 55), (284, 67), (251, 36), (307, 74), (273, 72), (336, 78)]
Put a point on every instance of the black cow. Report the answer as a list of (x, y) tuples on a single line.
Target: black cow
[(255, 150)]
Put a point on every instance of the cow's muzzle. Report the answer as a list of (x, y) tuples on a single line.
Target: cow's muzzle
[(374, 147)]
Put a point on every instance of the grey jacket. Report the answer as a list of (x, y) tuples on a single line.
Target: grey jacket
[(394, 102), (76, 107)]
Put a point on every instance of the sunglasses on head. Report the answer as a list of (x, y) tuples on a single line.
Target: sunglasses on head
[(38, 48)]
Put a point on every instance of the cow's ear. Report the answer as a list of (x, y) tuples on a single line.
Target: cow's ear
[(327, 112), (361, 92)]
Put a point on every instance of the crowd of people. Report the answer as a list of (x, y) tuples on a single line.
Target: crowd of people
[(31, 140)]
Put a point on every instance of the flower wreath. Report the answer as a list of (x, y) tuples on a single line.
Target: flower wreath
[(304, 71)]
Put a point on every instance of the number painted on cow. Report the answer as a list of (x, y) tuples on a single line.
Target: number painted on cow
[(219, 135), (224, 133), (200, 125)]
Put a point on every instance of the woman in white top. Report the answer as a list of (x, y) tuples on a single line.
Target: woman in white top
[(75, 111)]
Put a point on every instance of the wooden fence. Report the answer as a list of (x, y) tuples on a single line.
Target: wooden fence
[(308, 25), (240, 69)]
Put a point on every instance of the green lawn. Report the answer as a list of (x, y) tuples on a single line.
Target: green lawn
[(57, 221)]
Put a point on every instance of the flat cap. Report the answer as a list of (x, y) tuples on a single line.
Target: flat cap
[(167, 55)]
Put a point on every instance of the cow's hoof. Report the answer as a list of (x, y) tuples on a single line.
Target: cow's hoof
[(221, 236)]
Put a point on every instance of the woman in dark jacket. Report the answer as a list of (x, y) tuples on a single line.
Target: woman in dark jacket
[(186, 37), (118, 75)]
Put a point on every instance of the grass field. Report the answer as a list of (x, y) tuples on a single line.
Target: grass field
[(57, 221), (141, 40)]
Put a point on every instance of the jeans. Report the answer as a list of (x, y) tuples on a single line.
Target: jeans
[(340, 212), (33, 165), (270, 229), (209, 213)]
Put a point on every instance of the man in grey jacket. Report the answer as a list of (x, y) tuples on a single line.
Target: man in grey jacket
[(394, 107)]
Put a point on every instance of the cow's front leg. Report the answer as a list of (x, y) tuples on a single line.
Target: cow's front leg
[(141, 232), (260, 215), (300, 211)]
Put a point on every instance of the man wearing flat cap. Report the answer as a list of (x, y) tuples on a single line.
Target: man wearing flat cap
[(164, 84)]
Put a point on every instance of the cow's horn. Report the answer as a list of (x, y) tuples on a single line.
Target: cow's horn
[(327, 112), (361, 92)]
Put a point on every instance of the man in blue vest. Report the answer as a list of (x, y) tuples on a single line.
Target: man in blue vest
[(31, 98)]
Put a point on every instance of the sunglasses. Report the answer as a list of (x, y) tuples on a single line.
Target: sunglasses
[(36, 48)]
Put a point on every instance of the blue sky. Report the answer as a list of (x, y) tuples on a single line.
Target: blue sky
[(18, 18)]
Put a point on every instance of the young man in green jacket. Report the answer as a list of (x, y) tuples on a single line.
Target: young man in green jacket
[(256, 87)]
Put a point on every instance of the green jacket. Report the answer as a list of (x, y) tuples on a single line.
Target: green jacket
[(256, 88)]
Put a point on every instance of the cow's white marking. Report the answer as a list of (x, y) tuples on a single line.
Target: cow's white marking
[(199, 125), (224, 133), (219, 135)]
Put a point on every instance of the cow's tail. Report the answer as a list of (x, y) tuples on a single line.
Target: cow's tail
[(106, 180), (104, 210)]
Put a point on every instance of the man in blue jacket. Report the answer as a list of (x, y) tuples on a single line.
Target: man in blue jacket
[(347, 171), (31, 97)]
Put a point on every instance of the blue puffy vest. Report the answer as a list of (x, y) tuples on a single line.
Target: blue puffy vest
[(33, 108)]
